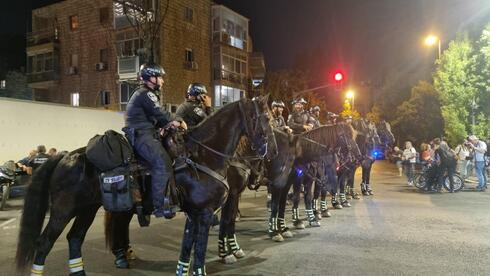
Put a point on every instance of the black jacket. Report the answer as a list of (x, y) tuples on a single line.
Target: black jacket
[(144, 111), (193, 112), (278, 122), (297, 120), (38, 160)]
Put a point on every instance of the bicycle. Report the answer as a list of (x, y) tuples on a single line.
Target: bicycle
[(422, 178)]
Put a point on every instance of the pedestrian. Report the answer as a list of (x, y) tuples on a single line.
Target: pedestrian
[(464, 158), (396, 155), (479, 148), (24, 162), (38, 159), (409, 158), (52, 152), (447, 163)]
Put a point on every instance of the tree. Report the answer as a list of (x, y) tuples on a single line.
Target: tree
[(419, 119), (455, 80), (16, 86), (348, 111)]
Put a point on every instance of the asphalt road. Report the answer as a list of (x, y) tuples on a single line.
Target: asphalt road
[(399, 231)]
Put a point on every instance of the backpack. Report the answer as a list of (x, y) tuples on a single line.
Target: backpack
[(109, 151)]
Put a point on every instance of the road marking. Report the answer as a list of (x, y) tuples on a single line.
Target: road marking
[(7, 222)]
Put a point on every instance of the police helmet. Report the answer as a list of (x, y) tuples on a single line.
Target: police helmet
[(196, 89), (315, 109), (300, 101), (278, 104), (150, 70), (332, 115)]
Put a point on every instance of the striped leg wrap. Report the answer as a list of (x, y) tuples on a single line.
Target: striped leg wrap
[(323, 205), (76, 265), (295, 214), (200, 271), (182, 269), (37, 270), (233, 244), (282, 224), (315, 205), (310, 215), (342, 197), (273, 225), (223, 247)]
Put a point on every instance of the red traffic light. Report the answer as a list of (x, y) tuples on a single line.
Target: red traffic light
[(338, 77)]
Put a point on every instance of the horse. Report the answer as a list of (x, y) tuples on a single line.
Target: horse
[(386, 136), (72, 184), (367, 138), (310, 146)]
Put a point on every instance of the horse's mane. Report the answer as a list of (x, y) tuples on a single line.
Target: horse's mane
[(325, 135)]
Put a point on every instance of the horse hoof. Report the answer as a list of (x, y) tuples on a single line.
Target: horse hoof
[(326, 214), (318, 216), (239, 253), (346, 204), (278, 238), (287, 234), (299, 225), (315, 223), (78, 273), (337, 206), (230, 259), (348, 196)]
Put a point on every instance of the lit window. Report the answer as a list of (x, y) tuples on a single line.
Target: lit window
[(225, 95), (2, 84), (74, 24), (75, 99)]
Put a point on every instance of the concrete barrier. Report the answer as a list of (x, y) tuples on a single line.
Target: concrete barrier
[(26, 124)]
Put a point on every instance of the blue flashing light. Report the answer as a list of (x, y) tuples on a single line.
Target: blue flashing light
[(299, 172)]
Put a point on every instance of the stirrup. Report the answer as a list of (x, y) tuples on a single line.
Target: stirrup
[(143, 219)]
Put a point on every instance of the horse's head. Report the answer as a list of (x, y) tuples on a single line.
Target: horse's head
[(258, 128), (347, 148), (372, 134), (385, 134)]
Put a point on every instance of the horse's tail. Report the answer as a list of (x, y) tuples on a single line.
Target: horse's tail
[(36, 204), (108, 229)]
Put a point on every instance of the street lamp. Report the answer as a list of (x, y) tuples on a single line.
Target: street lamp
[(432, 40), (351, 96)]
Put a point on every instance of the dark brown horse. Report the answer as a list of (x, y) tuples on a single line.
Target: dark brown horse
[(72, 184)]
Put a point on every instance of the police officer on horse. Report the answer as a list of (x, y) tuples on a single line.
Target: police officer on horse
[(278, 121), (197, 105), (143, 117)]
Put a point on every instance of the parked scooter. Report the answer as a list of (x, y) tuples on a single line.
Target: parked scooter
[(11, 178)]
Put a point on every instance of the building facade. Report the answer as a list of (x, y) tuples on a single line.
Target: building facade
[(87, 52)]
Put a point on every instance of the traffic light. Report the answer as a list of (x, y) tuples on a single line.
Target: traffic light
[(339, 76)]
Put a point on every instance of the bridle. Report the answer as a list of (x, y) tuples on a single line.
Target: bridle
[(250, 132)]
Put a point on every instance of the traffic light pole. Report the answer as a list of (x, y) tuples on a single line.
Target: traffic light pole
[(299, 93)]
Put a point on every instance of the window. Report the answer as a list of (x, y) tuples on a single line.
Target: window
[(104, 56), (74, 60), (225, 94), (75, 99), (189, 55), (189, 15), (126, 90), (105, 97), (2, 84), (74, 24), (48, 62), (104, 15), (128, 44)]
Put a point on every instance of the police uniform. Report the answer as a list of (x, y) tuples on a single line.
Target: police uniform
[(144, 115), (298, 120), (315, 120), (193, 112), (38, 160), (279, 122)]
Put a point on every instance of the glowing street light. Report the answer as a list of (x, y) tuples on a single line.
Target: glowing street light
[(351, 96), (431, 41)]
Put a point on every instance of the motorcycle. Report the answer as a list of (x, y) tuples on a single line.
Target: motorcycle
[(10, 178)]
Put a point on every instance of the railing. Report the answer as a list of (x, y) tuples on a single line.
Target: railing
[(42, 37), (43, 76)]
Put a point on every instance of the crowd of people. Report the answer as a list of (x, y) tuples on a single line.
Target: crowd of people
[(36, 158), (441, 160)]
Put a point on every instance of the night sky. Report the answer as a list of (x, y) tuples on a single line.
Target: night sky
[(369, 39)]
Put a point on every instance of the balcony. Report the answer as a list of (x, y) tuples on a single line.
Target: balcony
[(44, 36), (230, 40), (229, 76)]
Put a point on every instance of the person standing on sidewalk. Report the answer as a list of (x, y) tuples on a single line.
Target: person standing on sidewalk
[(480, 148), (463, 155), (409, 158)]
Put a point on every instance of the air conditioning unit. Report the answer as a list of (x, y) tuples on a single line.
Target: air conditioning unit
[(72, 70), (100, 66)]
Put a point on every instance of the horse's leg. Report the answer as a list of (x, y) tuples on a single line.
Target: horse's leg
[(56, 224), (187, 244), (281, 221), (120, 241), (232, 240), (365, 164), (335, 191), (297, 222), (226, 247), (201, 242), (350, 176), (368, 178), (343, 200), (312, 221), (76, 236), (274, 231)]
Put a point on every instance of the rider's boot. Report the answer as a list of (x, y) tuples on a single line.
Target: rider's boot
[(121, 259), (343, 200), (335, 203), (324, 209), (182, 269), (316, 212), (311, 218), (298, 224)]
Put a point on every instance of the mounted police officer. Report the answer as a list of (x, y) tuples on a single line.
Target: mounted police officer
[(315, 114), (277, 118), (300, 121), (143, 117), (332, 118), (197, 105)]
